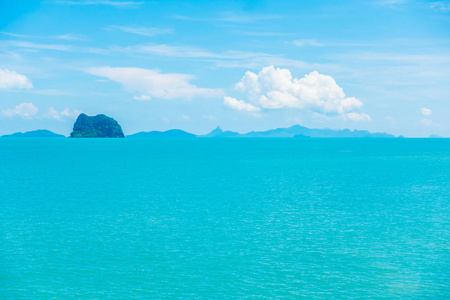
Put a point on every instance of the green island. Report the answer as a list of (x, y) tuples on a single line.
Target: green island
[(99, 126)]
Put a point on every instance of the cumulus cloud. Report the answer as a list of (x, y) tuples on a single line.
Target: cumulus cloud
[(275, 88), (56, 115), (239, 104), (71, 113), (425, 111), (12, 80), (25, 110), (154, 84), (358, 116), (52, 114)]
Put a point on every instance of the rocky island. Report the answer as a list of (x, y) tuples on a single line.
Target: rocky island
[(99, 126)]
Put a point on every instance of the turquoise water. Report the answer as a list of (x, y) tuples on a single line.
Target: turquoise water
[(224, 218)]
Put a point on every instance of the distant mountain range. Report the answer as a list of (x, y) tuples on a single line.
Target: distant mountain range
[(35, 134), (173, 133), (295, 131), (298, 131)]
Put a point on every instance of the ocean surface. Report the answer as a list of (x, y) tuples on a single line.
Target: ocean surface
[(224, 218)]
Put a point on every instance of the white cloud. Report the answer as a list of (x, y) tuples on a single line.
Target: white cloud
[(275, 88), (25, 110), (303, 43), (13, 80), (72, 37), (142, 98), (426, 111), (31, 45), (52, 114), (443, 6), (390, 2), (173, 51), (358, 116), (53, 47), (17, 35), (55, 115), (260, 33), (232, 18), (71, 113), (186, 118), (145, 31), (226, 59), (239, 104), (154, 84), (192, 52)]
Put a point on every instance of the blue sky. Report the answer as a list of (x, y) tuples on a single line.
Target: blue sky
[(381, 65)]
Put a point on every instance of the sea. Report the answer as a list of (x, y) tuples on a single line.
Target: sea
[(224, 218)]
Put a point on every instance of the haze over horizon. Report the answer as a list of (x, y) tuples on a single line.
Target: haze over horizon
[(381, 65)]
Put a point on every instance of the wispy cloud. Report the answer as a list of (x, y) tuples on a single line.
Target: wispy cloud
[(124, 4), (390, 2), (67, 37), (443, 6), (189, 52), (231, 18), (145, 31), (236, 18), (17, 35), (308, 42), (31, 45), (402, 58), (72, 37), (53, 47), (227, 59), (260, 33), (173, 51), (155, 84)]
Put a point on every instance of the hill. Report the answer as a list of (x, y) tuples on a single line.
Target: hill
[(169, 134), (41, 133), (301, 132)]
